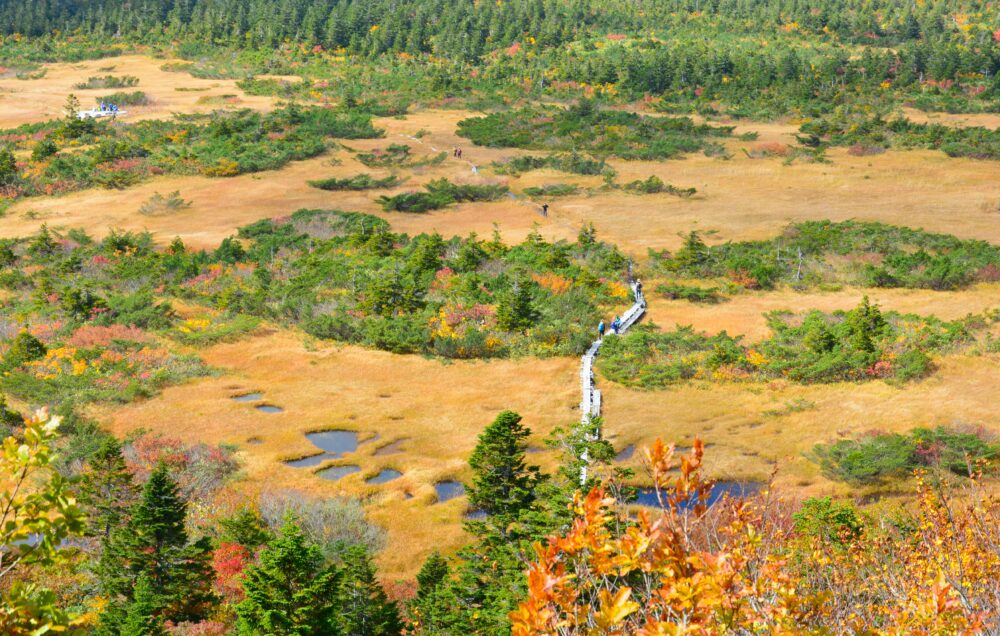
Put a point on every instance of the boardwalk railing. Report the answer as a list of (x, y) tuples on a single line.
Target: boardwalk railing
[(590, 404)]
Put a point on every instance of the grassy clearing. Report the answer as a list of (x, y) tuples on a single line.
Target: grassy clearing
[(439, 408)]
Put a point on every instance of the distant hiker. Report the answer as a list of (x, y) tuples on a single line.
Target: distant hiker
[(600, 329), (638, 287), (545, 209), (616, 324), (475, 170), (454, 152), (459, 153)]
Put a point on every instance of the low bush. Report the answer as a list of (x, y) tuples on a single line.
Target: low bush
[(859, 253), (552, 190), (163, 204), (815, 347), (673, 291), (573, 163), (877, 457), (587, 128), (851, 130), (440, 193), (108, 81), (135, 98), (655, 185), (357, 182)]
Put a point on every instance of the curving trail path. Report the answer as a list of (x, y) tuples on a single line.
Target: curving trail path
[(590, 405)]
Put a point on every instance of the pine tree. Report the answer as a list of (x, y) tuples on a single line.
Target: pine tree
[(514, 312), (291, 591), (432, 574), (154, 544), (108, 489), (365, 608), (142, 615), (503, 485)]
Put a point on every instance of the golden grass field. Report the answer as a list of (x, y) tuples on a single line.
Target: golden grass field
[(31, 100), (440, 408)]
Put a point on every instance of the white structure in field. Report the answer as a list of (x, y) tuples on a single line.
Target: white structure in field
[(95, 113), (590, 405)]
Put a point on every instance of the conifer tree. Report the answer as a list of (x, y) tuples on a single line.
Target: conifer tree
[(515, 312), (504, 484), (154, 544), (142, 615), (108, 489), (365, 608), (432, 574), (292, 591)]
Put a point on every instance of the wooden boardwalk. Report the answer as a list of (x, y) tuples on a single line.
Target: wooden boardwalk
[(590, 404)]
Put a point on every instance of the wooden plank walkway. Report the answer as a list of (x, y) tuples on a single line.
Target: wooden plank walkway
[(590, 404)]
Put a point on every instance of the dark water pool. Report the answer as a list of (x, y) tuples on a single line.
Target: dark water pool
[(335, 443), (625, 454), (647, 496), (311, 460), (449, 490), (333, 473), (248, 397), (385, 475)]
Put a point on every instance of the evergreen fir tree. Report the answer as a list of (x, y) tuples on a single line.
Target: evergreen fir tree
[(107, 489), (504, 484), (292, 591), (154, 544), (142, 615), (432, 574), (365, 608), (514, 312)]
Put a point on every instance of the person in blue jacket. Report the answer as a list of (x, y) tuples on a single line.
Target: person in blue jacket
[(600, 329)]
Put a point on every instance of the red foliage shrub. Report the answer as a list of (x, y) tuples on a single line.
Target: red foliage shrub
[(862, 150), (228, 562), (93, 336)]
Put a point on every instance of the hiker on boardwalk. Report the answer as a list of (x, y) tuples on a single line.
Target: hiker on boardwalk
[(545, 209), (616, 325), (459, 155), (600, 330)]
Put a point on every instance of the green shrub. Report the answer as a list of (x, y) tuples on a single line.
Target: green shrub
[(108, 81), (861, 253), (135, 98), (857, 345), (709, 295), (552, 190), (357, 182), (585, 127), (655, 185), (878, 457), (440, 193)]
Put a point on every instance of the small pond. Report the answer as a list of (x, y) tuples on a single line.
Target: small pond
[(625, 454), (333, 473), (269, 408), (248, 397), (385, 475), (311, 460), (448, 490), (647, 496), (335, 443)]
